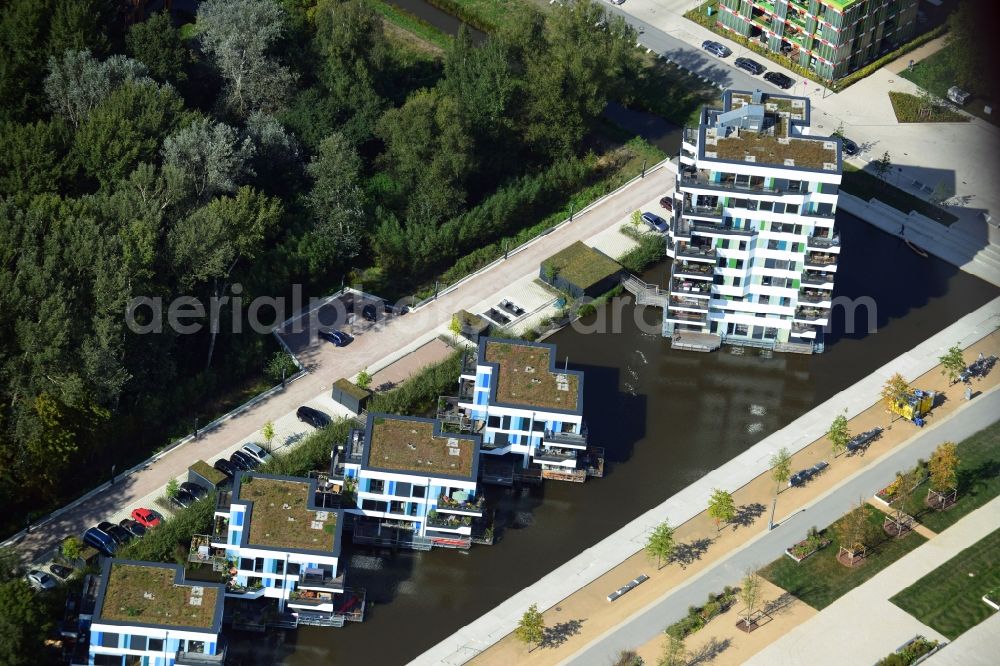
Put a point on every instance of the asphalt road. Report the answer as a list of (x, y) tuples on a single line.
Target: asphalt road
[(648, 623)]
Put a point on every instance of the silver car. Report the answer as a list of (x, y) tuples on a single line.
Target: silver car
[(41, 580)]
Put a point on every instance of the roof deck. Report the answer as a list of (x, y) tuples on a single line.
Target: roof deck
[(410, 445), (525, 377), (145, 594), (280, 516)]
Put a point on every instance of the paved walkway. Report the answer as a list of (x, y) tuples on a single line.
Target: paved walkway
[(976, 647), (821, 640), (584, 572), (374, 350)]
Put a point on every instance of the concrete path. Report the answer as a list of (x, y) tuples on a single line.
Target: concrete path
[(821, 640), (374, 350), (638, 629), (976, 647)]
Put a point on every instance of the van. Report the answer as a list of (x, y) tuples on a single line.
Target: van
[(100, 541)]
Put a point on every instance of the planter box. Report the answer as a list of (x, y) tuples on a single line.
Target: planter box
[(823, 544)]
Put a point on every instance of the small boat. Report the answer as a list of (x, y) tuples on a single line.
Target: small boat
[(916, 248)]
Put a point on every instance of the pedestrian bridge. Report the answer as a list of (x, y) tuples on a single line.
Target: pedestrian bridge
[(645, 294)]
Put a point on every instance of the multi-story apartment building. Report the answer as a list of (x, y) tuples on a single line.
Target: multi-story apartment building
[(284, 544), (405, 474), (524, 405), (830, 37), (146, 613), (752, 235)]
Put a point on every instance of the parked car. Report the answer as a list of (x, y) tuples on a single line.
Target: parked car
[(132, 527), (716, 49), (256, 452), (197, 491), (617, 2), (336, 337), (243, 461), (226, 467), (41, 580), (779, 79), (656, 222), (369, 312), (118, 534), (667, 203), (61, 571), (145, 517), (313, 417), (183, 499), (850, 148), (100, 541), (750, 65)]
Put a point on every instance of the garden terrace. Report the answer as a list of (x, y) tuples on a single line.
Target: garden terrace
[(411, 446), (149, 595), (582, 265), (524, 377), (279, 517), (774, 146), (781, 104)]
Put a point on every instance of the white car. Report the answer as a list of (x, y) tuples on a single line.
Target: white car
[(256, 452), (617, 2), (41, 580)]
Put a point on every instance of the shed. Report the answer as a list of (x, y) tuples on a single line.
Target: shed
[(580, 270), (350, 395)]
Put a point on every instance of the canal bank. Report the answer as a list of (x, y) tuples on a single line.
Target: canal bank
[(666, 418)]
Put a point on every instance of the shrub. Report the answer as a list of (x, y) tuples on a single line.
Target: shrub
[(72, 548), (171, 539)]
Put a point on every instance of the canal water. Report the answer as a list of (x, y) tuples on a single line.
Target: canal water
[(665, 418), (438, 18)]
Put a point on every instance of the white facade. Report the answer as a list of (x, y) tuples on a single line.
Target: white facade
[(754, 246)]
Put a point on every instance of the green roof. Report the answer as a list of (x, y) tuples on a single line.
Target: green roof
[(582, 265), (351, 389), (411, 446), (279, 517), (142, 594), (208, 472), (524, 378)]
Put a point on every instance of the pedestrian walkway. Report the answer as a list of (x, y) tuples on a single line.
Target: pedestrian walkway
[(863, 626), (578, 588)]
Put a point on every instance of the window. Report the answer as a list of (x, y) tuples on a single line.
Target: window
[(246, 563), (743, 245), (294, 569), (791, 208), (766, 205), (109, 639), (493, 422), (374, 505), (133, 660), (396, 506), (779, 207), (107, 660), (505, 423), (279, 567), (764, 300), (155, 645), (736, 281), (136, 642), (198, 647), (376, 486), (419, 491), (538, 426), (740, 329), (402, 489)]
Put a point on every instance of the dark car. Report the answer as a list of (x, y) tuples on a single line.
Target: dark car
[(313, 417), (226, 467), (132, 527), (749, 65), (336, 337), (194, 489), (243, 461), (850, 148), (97, 539), (667, 203), (715, 48), (183, 499), (656, 222), (61, 571), (369, 312), (118, 534), (779, 79)]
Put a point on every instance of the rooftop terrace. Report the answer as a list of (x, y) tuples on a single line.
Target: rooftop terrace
[(148, 595), (279, 517), (524, 377), (411, 446)]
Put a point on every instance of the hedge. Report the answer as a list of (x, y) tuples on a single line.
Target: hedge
[(170, 541)]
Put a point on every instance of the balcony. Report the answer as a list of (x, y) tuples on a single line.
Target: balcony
[(696, 252), (700, 305), (699, 178), (810, 296), (721, 229), (810, 314), (822, 242), (704, 271), (686, 317), (820, 260), (555, 456), (183, 658), (687, 288), (571, 439), (223, 499), (703, 211), (803, 330), (824, 280), (310, 599), (439, 521), (320, 578), (456, 504)]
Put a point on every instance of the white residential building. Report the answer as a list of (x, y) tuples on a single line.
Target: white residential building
[(752, 234)]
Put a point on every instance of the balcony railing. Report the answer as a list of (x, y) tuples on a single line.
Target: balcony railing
[(703, 211), (568, 438), (799, 329), (810, 314), (474, 505), (181, 658), (689, 303), (816, 278), (688, 178), (726, 229), (816, 259), (448, 522), (690, 136), (813, 296), (822, 242), (325, 580), (696, 251), (695, 269), (683, 315), (310, 598), (678, 285), (554, 455)]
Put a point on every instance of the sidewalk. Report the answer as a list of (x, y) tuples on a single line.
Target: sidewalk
[(578, 589), (373, 350), (821, 641)]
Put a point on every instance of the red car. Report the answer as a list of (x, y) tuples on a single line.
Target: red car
[(145, 517), (667, 203)]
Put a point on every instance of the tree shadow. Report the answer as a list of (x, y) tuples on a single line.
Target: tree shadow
[(778, 604), (709, 651), (686, 553), (968, 478), (558, 634), (747, 514)]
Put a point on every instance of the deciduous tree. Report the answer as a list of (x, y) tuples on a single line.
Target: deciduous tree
[(839, 434), (721, 507), (78, 82), (214, 158), (531, 627), (944, 467), (952, 363), (894, 392), (660, 543), (157, 44), (781, 467), (24, 624), (674, 653), (750, 595)]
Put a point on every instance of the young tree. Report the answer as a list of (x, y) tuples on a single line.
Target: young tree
[(883, 166), (781, 467), (636, 218), (628, 658), (173, 486), (721, 507), (905, 484), (944, 467), (750, 594), (660, 543), (364, 379), (72, 548), (952, 364), (280, 367), (894, 392), (674, 653), (839, 434), (531, 628), (854, 530), (267, 432)]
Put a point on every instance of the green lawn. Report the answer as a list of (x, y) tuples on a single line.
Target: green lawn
[(866, 186), (934, 75), (949, 599), (821, 579), (911, 109), (978, 481)]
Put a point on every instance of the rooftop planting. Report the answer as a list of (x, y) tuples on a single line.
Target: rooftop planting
[(771, 148), (581, 265), (524, 377), (279, 517), (411, 446), (148, 595)]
